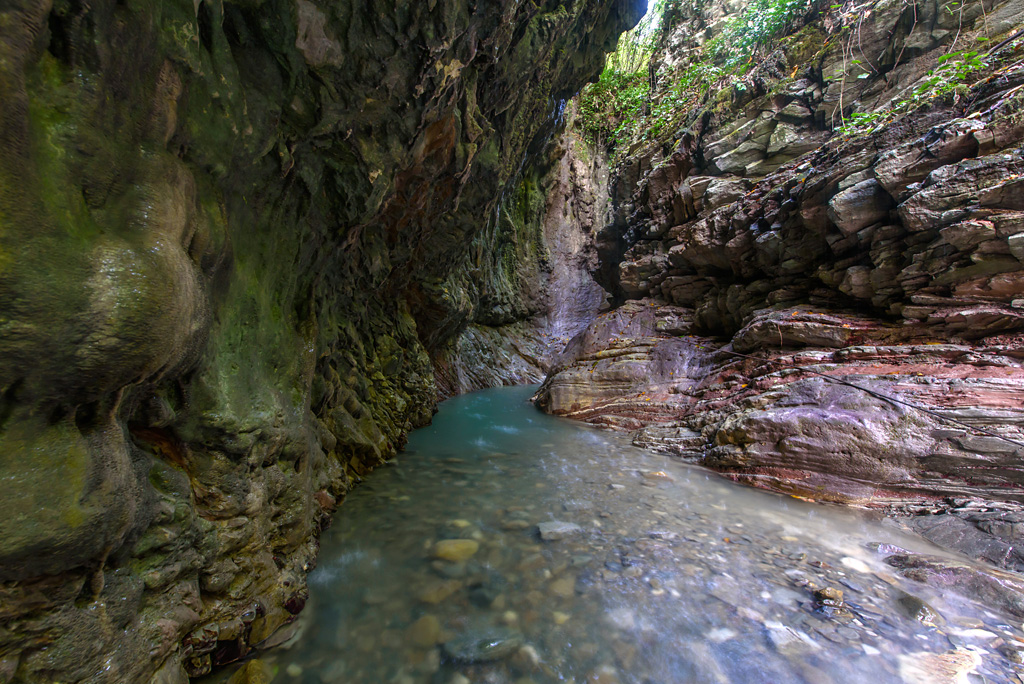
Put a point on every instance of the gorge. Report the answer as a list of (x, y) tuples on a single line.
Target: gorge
[(246, 246)]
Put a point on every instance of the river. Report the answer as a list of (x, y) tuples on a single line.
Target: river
[(434, 571)]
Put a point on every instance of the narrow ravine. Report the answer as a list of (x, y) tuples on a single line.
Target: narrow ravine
[(506, 545), (248, 246)]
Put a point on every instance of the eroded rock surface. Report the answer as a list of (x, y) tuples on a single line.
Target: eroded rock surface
[(544, 292), (233, 236), (834, 316)]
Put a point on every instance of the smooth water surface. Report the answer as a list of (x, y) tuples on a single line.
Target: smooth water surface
[(676, 574)]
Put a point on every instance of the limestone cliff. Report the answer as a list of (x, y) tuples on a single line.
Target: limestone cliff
[(232, 234), (820, 266)]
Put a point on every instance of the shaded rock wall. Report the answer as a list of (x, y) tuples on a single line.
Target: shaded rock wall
[(228, 234), (812, 278), (539, 289)]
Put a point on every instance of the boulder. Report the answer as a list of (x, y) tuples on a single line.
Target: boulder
[(860, 206)]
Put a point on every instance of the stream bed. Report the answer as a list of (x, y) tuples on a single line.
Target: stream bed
[(650, 571)]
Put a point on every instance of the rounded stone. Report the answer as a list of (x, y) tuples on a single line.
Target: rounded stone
[(425, 632), (483, 645), (455, 550)]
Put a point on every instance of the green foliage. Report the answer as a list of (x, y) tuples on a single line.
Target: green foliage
[(621, 109), (952, 73), (608, 108), (953, 70), (755, 28)]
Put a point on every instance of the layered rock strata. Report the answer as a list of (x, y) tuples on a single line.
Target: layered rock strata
[(832, 315), (232, 235)]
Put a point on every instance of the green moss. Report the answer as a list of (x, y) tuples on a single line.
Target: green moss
[(55, 115), (804, 46)]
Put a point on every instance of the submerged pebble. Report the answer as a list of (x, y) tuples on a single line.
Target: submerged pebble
[(483, 644), (557, 530)]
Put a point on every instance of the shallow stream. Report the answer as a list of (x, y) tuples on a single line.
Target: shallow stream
[(673, 574)]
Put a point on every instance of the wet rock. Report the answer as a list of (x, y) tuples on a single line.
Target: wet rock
[(455, 550), (483, 596), (829, 596), (557, 530), (1013, 652), (527, 659), (511, 525), (425, 632), (563, 587), (449, 570), (657, 476), (855, 564), (605, 674), (951, 667), (917, 609), (1002, 590), (253, 672), (787, 640), (435, 592), (953, 532), (621, 618), (483, 644), (267, 412), (914, 224)]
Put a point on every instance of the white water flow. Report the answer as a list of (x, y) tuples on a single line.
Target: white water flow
[(675, 574)]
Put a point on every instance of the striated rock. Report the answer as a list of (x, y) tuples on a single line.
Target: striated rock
[(974, 536), (722, 191), (544, 292), (801, 432), (1002, 590), (952, 667), (859, 206), (911, 162), (637, 343), (848, 318), (948, 194)]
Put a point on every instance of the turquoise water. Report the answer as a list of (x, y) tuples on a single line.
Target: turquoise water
[(673, 575)]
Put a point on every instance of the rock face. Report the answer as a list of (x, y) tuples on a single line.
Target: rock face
[(232, 237), (544, 291), (833, 315)]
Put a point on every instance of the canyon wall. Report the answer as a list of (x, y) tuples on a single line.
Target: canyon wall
[(820, 268), (233, 234), (539, 258)]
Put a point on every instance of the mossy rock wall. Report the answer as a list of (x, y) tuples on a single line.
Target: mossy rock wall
[(226, 230)]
